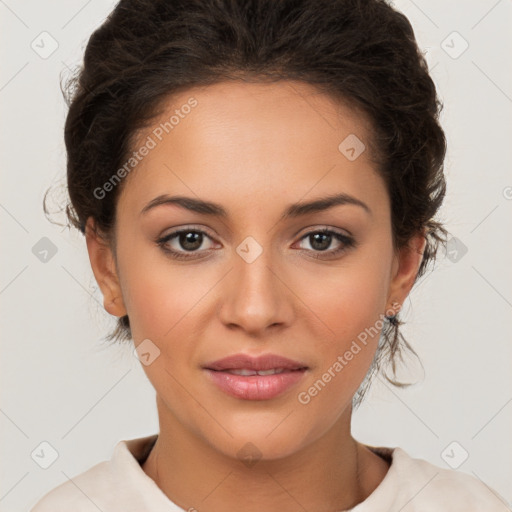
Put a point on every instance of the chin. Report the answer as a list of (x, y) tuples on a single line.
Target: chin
[(252, 441)]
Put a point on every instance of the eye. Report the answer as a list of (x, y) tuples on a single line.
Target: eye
[(322, 239), (186, 240), (190, 240)]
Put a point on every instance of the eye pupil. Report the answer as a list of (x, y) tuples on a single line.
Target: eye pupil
[(191, 240), (316, 238), (190, 237)]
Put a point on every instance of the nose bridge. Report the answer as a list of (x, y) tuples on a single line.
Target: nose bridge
[(255, 298)]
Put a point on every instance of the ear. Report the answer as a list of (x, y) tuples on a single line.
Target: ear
[(103, 266), (405, 269)]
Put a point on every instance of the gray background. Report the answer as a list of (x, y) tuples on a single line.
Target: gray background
[(62, 385)]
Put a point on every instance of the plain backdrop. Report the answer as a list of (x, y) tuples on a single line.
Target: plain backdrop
[(62, 385)]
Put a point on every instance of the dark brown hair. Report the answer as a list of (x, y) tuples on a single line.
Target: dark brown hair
[(362, 52)]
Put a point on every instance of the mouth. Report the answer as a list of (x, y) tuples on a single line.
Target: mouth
[(255, 378), (245, 372), (245, 362)]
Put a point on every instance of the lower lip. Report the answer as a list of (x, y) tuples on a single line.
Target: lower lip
[(255, 387)]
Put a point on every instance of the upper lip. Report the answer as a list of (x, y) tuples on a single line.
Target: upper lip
[(263, 362)]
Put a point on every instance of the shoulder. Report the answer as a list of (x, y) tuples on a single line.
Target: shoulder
[(422, 486), (79, 493), (115, 484)]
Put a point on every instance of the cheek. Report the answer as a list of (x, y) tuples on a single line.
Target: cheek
[(347, 299), (344, 354), (350, 302), (162, 301), (165, 300), (158, 294)]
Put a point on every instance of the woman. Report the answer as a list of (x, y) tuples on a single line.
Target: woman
[(257, 183)]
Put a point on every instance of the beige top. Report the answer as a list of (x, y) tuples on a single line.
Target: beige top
[(410, 485)]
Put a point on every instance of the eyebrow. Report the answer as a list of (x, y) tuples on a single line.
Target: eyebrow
[(292, 211)]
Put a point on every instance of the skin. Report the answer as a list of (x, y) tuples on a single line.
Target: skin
[(256, 148)]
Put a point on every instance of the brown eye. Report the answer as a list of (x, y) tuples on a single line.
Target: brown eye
[(186, 243), (190, 241), (183, 241), (321, 240)]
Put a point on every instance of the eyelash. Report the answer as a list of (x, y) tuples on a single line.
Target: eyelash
[(347, 241)]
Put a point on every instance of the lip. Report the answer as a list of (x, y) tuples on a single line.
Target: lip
[(263, 362), (255, 387)]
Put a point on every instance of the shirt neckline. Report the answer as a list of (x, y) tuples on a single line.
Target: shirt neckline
[(139, 449)]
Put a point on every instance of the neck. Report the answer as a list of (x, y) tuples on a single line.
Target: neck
[(335, 472)]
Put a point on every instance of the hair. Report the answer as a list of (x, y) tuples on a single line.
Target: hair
[(361, 52)]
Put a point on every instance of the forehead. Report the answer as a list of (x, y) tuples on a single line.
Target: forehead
[(242, 113), (240, 139)]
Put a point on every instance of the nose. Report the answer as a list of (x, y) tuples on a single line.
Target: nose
[(255, 297)]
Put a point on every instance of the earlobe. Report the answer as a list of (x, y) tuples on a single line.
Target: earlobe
[(104, 269), (405, 268)]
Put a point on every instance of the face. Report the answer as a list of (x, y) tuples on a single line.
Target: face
[(264, 278)]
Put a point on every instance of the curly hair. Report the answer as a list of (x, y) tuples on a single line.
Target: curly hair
[(362, 52)]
